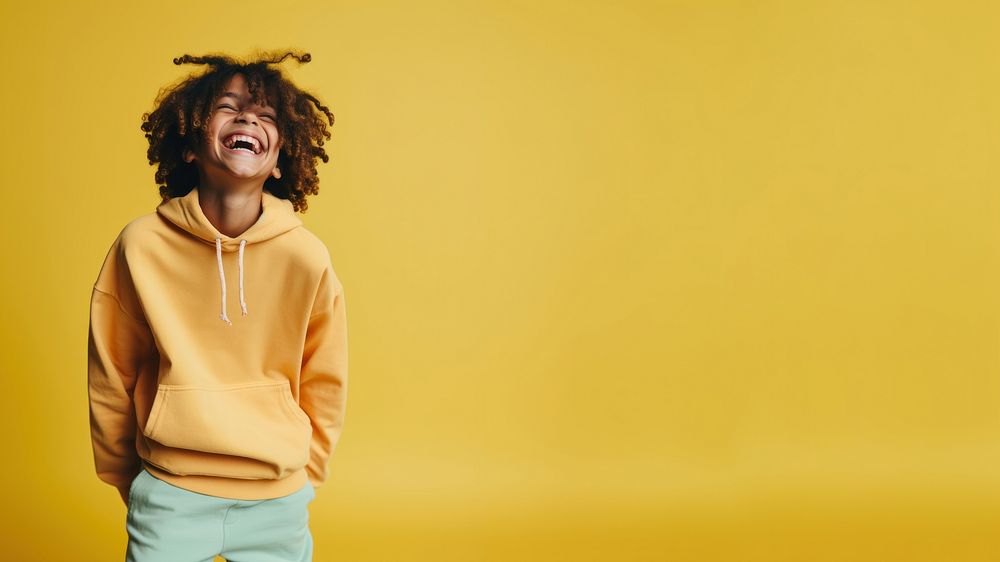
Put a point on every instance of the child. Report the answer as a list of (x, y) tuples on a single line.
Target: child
[(216, 425)]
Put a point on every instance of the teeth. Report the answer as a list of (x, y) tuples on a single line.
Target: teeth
[(233, 138)]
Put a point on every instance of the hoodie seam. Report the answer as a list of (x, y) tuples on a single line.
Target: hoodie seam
[(121, 307), (337, 294)]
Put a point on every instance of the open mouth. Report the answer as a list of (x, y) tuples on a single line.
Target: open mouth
[(243, 144)]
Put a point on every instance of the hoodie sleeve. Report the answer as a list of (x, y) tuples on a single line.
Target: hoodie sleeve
[(119, 342), (323, 379)]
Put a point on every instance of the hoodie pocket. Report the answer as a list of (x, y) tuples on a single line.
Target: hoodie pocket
[(257, 423)]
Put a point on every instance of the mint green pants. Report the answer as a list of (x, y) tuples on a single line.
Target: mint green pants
[(166, 523)]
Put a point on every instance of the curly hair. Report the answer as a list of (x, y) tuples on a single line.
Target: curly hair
[(183, 110)]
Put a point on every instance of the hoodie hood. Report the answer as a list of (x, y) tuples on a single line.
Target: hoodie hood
[(277, 218)]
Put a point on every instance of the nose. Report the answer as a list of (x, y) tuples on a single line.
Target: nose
[(243, 117)]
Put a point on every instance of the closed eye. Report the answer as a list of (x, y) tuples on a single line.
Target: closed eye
[(227, 106)]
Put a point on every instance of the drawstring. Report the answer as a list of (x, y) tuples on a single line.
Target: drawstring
[(222, 279), (243, 303)]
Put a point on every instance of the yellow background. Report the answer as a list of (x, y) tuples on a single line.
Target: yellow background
[(693, 281)]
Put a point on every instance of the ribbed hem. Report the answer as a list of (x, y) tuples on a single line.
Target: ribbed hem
[(232, 488)]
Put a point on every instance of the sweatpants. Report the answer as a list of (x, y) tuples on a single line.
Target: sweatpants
[(166, 523)]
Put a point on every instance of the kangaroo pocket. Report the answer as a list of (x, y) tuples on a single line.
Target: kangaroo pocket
[(253, 431)]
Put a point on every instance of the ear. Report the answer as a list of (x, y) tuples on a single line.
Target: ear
[(188, 155), (276, 172)]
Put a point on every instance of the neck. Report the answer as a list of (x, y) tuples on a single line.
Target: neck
[(231, 212)]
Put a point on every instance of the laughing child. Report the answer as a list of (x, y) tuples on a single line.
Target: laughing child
[(217, 353)]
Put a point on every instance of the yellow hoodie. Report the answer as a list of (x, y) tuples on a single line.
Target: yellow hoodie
[(218, 363)]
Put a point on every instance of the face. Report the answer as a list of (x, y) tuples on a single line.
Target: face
[(243, 141)]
